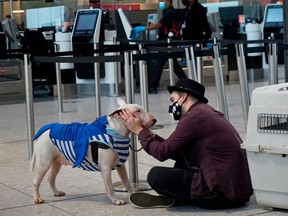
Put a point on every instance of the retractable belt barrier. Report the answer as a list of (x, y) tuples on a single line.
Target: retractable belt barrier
[(268, 46), (12, 54)]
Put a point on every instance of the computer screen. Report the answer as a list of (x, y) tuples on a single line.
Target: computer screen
[(229, 15), (274, 16), (85, 22)]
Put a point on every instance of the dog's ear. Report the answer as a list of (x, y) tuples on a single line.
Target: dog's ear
[(120, 102), (115, 112)]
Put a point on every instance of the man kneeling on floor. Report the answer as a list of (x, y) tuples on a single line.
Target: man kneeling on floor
[(210, 170)]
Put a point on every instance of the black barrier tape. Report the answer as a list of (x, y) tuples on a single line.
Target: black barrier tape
[(180, 51), (282, 47), (194, 42), (156, 47), (166, 49), (254, 50), (102, 49), (11, 56), (80, 59), (151, 56), (174, 52), (163, 53), (223, 51), (165, 43), (264, 41), (159, 46)]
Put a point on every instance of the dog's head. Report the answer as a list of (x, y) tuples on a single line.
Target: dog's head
[(147, 119)]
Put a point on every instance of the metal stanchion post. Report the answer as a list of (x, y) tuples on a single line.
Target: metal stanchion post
[(193, 64), (199, 66), (29, 105), (59, 87), (273, 63), (132, 78), (243, 81), (116, 70), (97, 86), (188, 63), (127, 77), (221, 94), (143, 81), (171, 67), (133, 171), (59, 82), (133, 163)]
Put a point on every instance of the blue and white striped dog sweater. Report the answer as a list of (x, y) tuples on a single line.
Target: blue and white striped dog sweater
[(72, 141)]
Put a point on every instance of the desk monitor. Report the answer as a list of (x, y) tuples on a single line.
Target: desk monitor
[(229, 15), (86, 35), (273, 15), (86, 21)]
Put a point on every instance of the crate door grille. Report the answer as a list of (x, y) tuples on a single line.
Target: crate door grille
[(273, 123)]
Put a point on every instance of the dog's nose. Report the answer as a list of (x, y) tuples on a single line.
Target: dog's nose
[(154, 121)]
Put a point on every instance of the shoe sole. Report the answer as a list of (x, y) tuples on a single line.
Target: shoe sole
[(145, 200)]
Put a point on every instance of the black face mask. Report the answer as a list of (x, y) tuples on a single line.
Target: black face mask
[(185, 3), (175, 110)]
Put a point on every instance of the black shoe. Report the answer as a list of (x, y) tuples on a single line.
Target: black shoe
[(145, 200), (152, 91)]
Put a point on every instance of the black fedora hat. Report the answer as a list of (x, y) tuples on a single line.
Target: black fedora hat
[(191, 87)]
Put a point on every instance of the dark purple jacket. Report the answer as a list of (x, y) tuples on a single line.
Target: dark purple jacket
[(197, 26), (204, 141)]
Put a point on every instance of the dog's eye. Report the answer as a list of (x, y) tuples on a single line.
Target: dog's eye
[(138, 110)]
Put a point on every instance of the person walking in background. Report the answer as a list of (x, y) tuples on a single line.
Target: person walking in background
[(210, 171), (195, 25), (164, 26)]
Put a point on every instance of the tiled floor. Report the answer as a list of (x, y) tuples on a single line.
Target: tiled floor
[(85, 191)]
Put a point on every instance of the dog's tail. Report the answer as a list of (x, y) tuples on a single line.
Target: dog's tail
[(33, 161)]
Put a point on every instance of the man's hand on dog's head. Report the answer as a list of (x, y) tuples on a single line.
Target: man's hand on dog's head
[(132, 122)]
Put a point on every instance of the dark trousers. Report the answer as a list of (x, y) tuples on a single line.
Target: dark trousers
[(155, 69), (176, 183)]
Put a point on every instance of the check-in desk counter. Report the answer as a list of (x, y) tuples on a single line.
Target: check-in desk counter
[(63, 40), (12, 84)]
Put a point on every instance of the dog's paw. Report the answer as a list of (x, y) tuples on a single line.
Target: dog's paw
[(119, 202), (39, 200), (59, 194)]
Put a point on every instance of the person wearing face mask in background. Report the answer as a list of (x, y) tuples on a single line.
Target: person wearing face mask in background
[(210, 170), (164, 26)]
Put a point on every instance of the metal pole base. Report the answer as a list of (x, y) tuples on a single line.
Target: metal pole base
[(140, 186)]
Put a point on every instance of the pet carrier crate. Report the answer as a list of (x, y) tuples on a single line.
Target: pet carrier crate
[(267, 145)]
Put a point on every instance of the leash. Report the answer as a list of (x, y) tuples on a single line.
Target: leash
[(135, 150)]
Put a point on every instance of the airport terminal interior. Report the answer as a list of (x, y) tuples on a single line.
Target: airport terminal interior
[(43, 79)]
